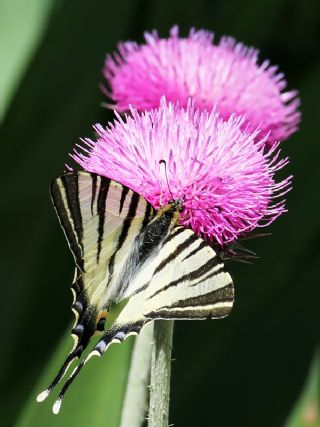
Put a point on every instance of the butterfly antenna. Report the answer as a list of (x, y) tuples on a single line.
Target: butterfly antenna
[(163, 162), (44, 394)]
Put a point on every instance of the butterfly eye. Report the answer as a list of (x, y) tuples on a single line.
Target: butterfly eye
[(179, 205)]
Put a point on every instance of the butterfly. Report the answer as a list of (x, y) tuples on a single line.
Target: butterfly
[(127, 251)]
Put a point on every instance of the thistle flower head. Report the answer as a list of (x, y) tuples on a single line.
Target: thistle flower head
[(221, 172), (226, 74)]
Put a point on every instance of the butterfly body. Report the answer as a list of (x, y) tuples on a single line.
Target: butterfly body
[(125, 250)]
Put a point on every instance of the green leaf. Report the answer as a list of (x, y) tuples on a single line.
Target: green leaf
[(306, 412), (22, 24)]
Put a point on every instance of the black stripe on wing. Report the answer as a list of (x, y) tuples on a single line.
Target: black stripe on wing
[(125, 228), (71, 188), (225, 294), (192, 275), (179, 249), (94, 178), (69, 208), (125, 191), (202, 245), (215, 303), (101, 210), (172, 256), (216, 271)]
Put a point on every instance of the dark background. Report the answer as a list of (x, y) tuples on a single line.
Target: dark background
[(247, 370)]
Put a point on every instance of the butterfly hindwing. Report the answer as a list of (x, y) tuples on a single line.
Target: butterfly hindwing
[(189, 282), (185, 280)]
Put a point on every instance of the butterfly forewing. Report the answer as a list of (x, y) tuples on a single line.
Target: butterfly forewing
[(101, 220)]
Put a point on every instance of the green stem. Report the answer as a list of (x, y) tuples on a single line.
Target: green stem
[(160, 374), (136, 397)]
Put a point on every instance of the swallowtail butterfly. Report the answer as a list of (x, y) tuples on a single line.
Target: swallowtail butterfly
[(125, 250)]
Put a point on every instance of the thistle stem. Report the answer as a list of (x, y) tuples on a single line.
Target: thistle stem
[(160, 374), (136, 397)]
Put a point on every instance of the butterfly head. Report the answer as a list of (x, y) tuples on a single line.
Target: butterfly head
[(176, 204)]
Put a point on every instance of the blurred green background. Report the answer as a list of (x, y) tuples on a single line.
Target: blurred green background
[(259, 367)]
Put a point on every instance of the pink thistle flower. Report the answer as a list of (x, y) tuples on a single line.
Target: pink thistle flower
[(226, 74), (220, 171)]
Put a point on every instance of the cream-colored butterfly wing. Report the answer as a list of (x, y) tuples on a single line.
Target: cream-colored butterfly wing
[(101, 220), (185, 280)]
